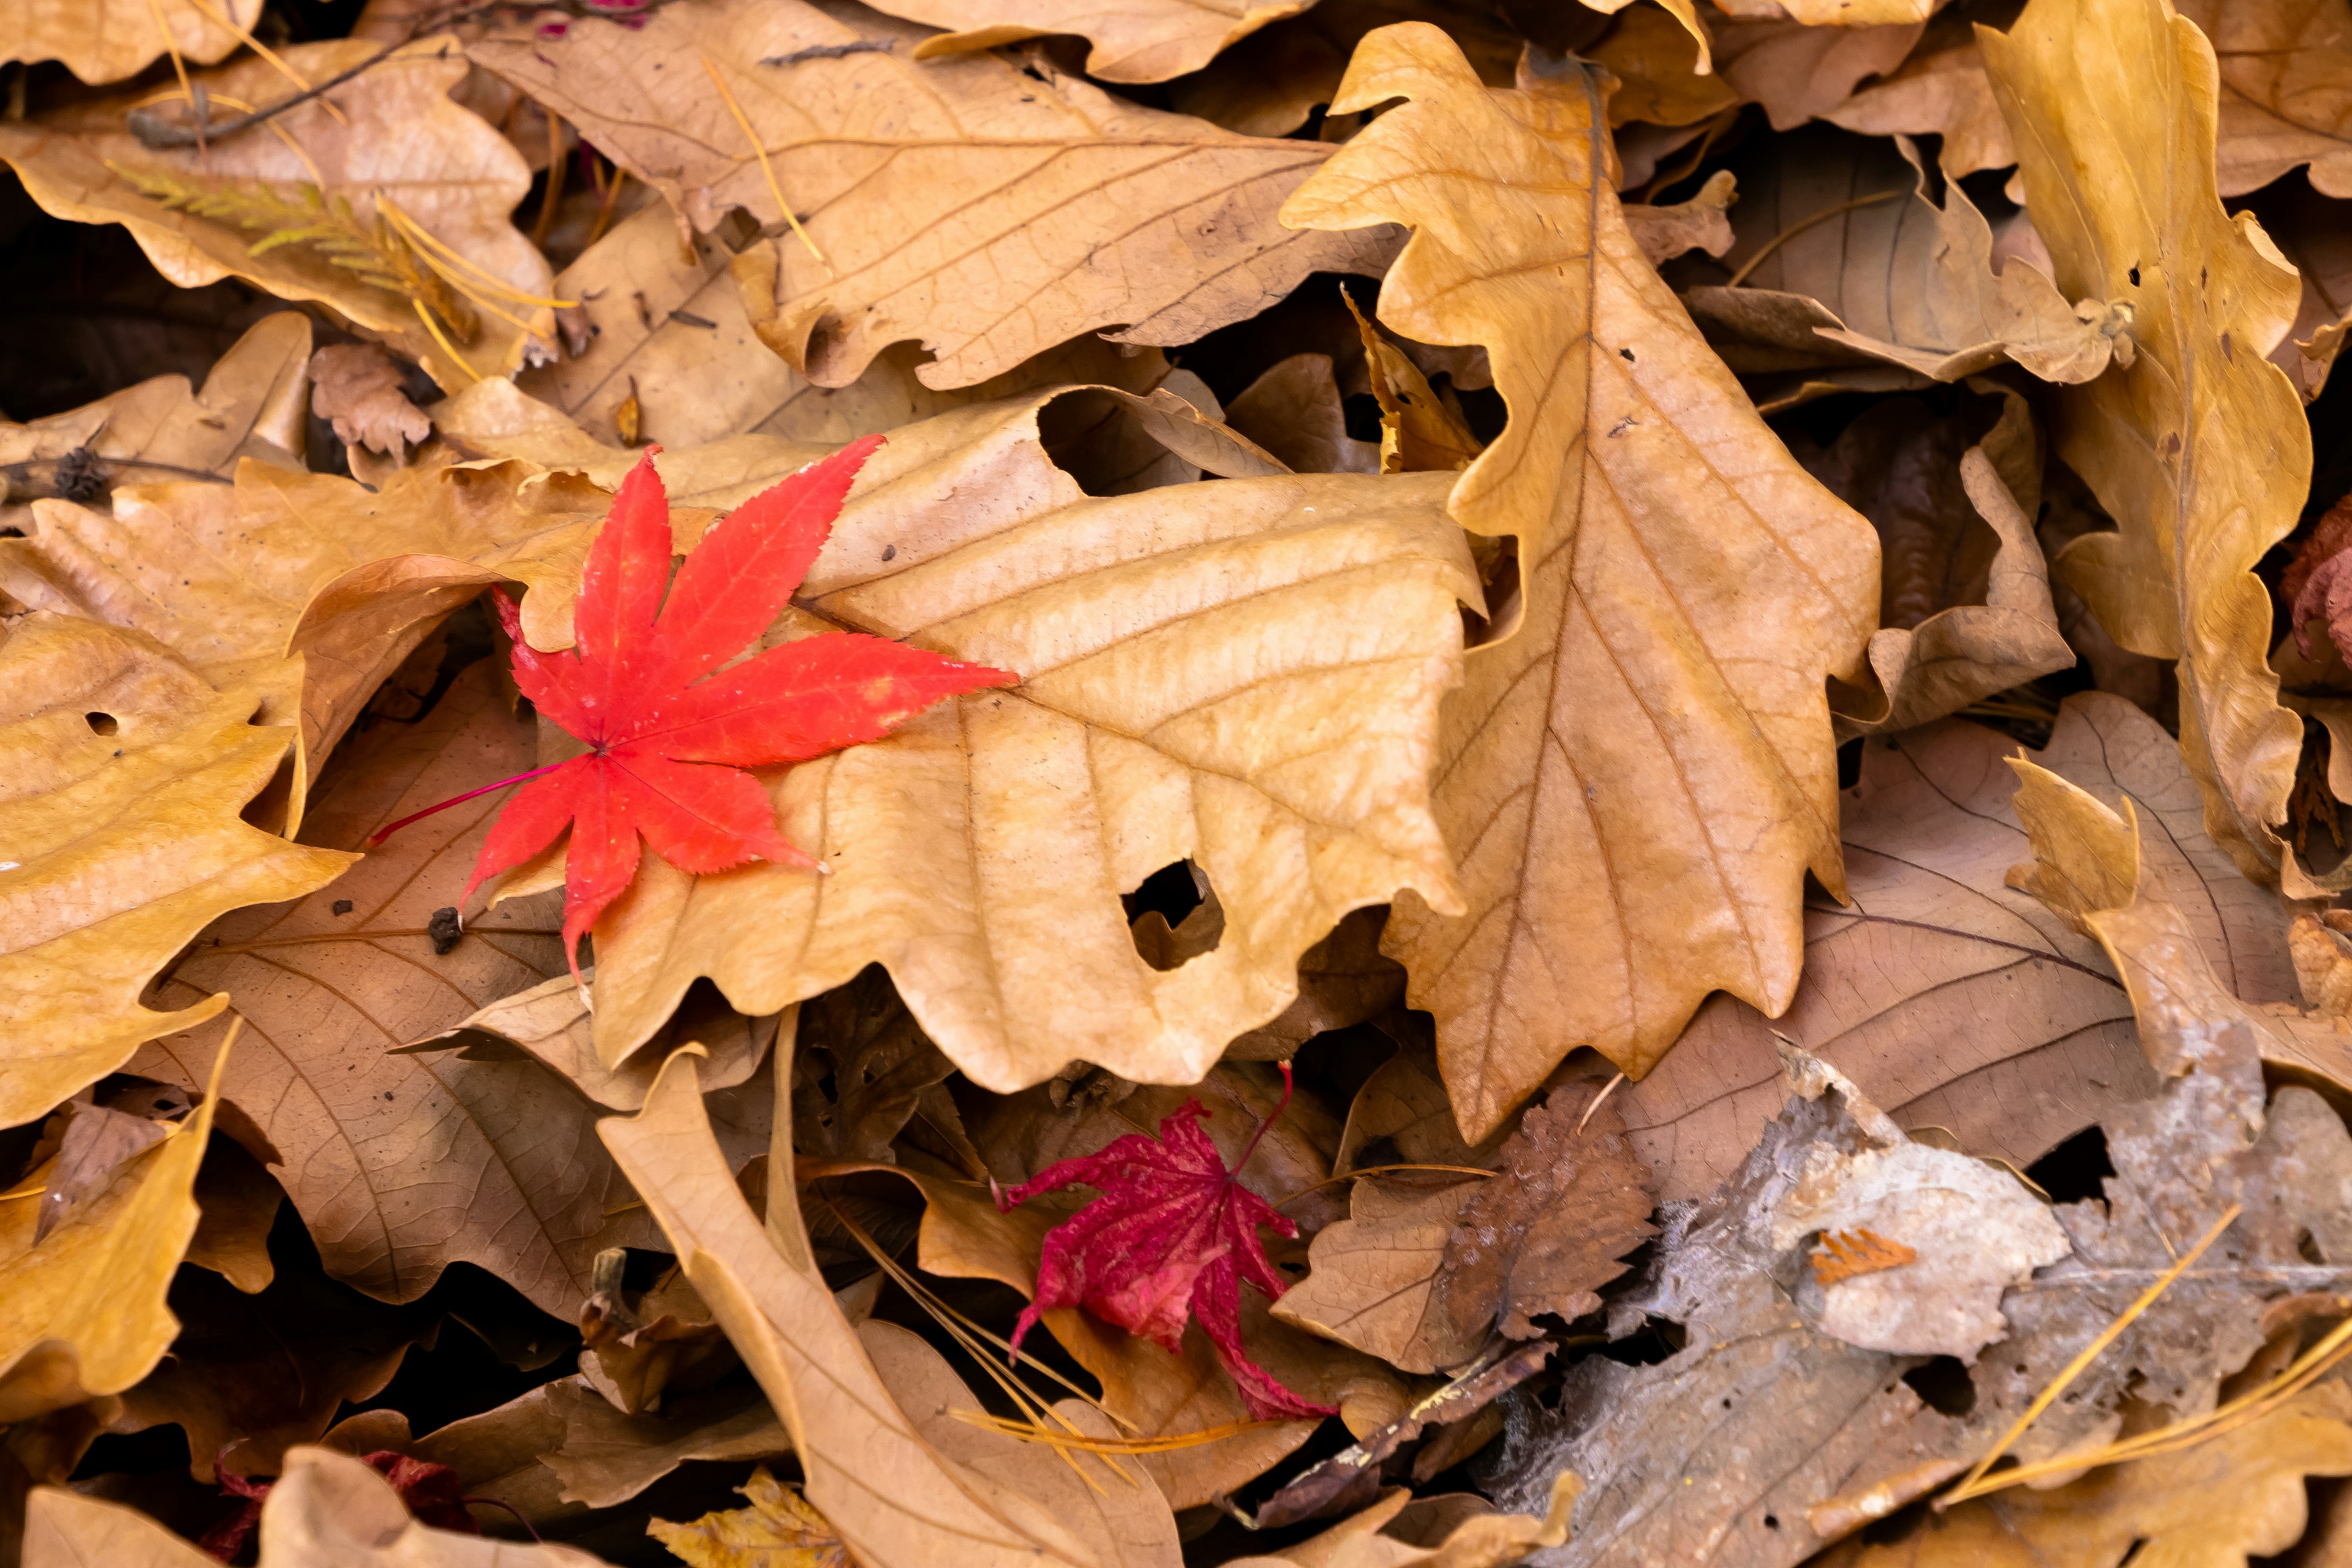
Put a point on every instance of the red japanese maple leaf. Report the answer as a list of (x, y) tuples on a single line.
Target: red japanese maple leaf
[(430, 1490), (1174, 1235), (666, 737)]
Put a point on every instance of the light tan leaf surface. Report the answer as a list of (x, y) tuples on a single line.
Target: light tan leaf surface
[(1952, 999), (1372, 1280), (1655, 59), (2198, 448), (1971, 1231), (1698, 223), (1906, 282), (400, 1164), (356, 387), (1941, 90), (330, 1508), (1796, 72), (64, 1529), (2285, 71), (125, 772), (401, 135), (1469, 1533), (894, 1499), (1146, 41), (1637, 781), (2241, 1495), (350, 579), (1245, 676), (106, 40), (1099, 213), (1965, 593), (84, 1313), (251, 405)]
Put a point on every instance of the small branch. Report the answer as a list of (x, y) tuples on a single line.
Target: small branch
[(830, 52), (155, 131)]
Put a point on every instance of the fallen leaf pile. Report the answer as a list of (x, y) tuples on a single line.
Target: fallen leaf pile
[(1338, 784)]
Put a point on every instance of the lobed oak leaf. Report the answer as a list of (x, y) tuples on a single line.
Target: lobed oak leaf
[(640, 690), (1173, 1235)]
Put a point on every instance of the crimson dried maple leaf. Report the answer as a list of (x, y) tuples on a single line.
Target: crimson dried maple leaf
[(667, 738), (1174, 1235), (431, 1491)]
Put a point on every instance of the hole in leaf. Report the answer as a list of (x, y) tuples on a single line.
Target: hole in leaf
[(2075, 1169), (1362, 413), (102, 723), (1174, 916), (2135, 275), (2306, 1247), (1945, 1384)]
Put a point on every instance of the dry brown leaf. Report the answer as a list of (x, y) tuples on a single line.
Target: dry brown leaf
[(1941, 90), (1372, 1283), (403, 1164), (1952, 999), (859, 1039), (2198, 448), (2323, 961), (106, 40), (1655, 59), (1420, 432), (1698, 223), (234, 578), (356, 387), (1833, 12), (1343, 980), (1100, 212), (777, 1530), (1181, 670), (84, 1313), (1147, 42), (894, 1498), (1401, 1114), (1401, 1532), (119, 818), (400, 135), (97, 1143), (251, 405), (240, 1201), (1797, 71), (2286, 90), (2305, 226), (330, 1508), (1965, 593), (1294, 411), (2241, 1495), (639, 1346), (1906, 282), (1594, 810)]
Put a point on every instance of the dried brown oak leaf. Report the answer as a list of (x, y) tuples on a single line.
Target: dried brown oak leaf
[(2284, 67), (1902, 281), (1940, 90), (2198, 447), (2240, 1495), (1188, 650), (1569, 1199), (1100, 212), (251, 405), (1640, 772), (126, 772), (106, 40), (1794, 70), (1139, 40), (1953, 999), (400, 1163), (1965, 594), (400, 137), (357, 388), (904, 1484)]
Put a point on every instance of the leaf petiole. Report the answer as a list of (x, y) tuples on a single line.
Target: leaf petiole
[(381, 834)]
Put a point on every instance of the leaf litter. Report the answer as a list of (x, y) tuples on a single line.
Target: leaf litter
[(1350, 784)]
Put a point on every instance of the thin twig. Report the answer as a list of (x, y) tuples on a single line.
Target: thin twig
[(155, 131), (829, 51)]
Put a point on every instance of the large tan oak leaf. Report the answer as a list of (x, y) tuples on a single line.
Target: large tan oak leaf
[(401, 135), (403, 1164), (106, 40), (1244, 674), (121, 775), (962, 202), (2198, 448), (1637, 781)]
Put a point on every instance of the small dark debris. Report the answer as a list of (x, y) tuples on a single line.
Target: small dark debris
[(444, 928), (830, 52), (691, 320), (343, 905), (889, 553), (79, 476)]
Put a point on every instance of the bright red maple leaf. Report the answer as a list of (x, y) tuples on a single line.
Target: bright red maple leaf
[(1174, 1235), (668, 739)]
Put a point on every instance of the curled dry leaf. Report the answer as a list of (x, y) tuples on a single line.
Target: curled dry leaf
[(1905, 282), (1592, 810), (251, 405), (1185, 648), (777, 1526), (2242, 1495), (2093, 87), (1699, 223), (1962, 621), (894, 1498), (120, 822), (357, 388), (84, 1314), (397, 119), (1399, 1531), (1147, 42), (400, 1164), (1795, 70), (106, 40), (1088, 194)]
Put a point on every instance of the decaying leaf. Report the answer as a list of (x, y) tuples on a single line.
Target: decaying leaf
[(403, 1164), (121, 827), (2208, 298), (399, 138), (106, 40), (1294, 411), (874, 147), (358, 389), (860, 1068), (1591, 810), (1795, 70), (1950, 998), (777, 1529), (1906, 282)]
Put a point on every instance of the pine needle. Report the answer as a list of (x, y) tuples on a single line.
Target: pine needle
[(229, 24), (726, 95)]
